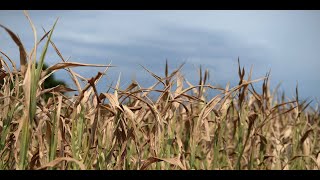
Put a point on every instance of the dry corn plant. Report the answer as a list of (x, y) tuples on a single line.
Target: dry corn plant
[(127, 129)]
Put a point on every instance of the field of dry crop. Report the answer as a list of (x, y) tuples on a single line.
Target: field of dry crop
[(238, 128)]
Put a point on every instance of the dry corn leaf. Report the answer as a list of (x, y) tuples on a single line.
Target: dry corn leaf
[(23, 53), (60, 159), (173, 161)]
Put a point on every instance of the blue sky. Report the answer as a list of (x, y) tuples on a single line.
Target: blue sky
[(287, 42)]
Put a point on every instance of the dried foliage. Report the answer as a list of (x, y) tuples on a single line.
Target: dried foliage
[(124, 129)]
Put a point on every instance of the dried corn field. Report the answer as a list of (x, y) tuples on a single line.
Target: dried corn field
[(182, 129)]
